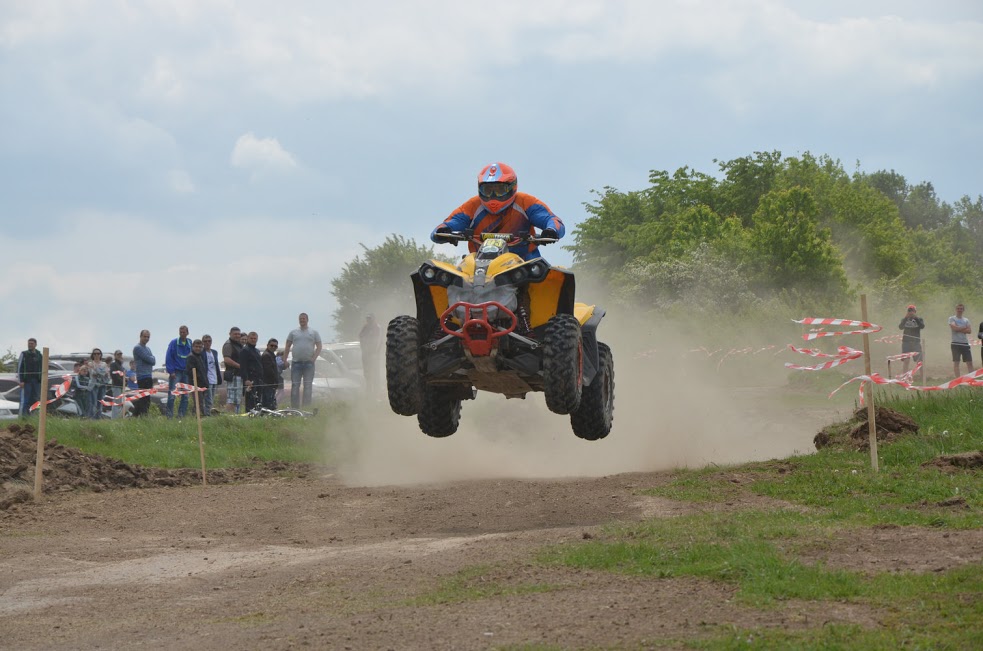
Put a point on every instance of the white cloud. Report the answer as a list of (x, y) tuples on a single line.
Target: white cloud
[(260, 155)]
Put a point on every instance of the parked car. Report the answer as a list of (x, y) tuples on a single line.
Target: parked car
[(333, 380), (350, 353), (9, 409)]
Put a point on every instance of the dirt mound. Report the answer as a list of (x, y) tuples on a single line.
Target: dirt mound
[(854, 435), (68, 469), (953, 462)]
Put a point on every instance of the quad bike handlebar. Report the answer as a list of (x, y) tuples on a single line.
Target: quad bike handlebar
[(512, 239)]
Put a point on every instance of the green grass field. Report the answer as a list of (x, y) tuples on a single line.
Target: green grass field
[(829, 493)]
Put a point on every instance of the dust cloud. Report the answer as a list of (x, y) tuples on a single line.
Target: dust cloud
[(673, 408)]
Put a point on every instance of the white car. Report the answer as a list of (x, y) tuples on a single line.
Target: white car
[(9, 409), (350, 353), (333, 380)]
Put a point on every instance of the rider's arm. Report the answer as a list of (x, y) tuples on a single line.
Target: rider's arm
[(541, 216), (459, 220)]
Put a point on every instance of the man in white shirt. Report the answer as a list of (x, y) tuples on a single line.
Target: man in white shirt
[(305, 344), (961, 329)]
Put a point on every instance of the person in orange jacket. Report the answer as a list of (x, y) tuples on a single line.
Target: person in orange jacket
[(500, 208)]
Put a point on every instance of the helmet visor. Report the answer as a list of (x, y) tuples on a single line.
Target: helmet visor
[(496, 190)]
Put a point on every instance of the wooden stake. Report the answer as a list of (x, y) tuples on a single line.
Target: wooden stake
[(871, 424), (42, 423), (201, 438)]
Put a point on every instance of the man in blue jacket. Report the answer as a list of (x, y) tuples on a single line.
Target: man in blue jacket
[(176, 362)]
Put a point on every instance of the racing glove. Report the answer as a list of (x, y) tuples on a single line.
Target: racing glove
[(550, 233)]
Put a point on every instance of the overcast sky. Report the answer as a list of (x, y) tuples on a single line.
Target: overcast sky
[(216, 163)]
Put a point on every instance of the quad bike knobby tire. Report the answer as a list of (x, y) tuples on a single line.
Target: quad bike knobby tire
[(403, 380), (592, 419), (440, 414), (563, 363)]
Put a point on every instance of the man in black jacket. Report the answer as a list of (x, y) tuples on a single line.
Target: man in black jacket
[(117, 375), (233, 378), (197, 371), (251, 369), (911, 340), (29, 376), (271, 374)]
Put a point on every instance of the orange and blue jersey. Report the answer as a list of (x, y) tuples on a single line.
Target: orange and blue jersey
[(525, 212)]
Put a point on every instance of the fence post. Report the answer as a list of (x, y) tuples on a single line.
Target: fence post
[(42, 424), (871, 424)]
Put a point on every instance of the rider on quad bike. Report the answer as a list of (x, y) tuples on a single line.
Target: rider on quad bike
[(499, 208), (502, 320)]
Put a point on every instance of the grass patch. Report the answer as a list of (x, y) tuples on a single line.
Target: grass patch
[(230, 441), (755, 550), (840, 482), (745, 549), (473, 584)]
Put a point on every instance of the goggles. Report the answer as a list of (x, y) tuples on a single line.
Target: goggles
[(496, 190)]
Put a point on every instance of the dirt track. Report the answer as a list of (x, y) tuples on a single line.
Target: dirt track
[(339, 559)]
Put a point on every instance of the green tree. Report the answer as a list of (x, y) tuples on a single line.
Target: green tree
[(8, 361), (378, 281), (790, 249)]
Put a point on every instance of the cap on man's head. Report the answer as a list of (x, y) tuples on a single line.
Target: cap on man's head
[(911, 307)]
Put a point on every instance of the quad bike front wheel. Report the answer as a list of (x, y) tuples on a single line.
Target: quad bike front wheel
[(403, 363), (563, 363), (439, 414), (592, 419)]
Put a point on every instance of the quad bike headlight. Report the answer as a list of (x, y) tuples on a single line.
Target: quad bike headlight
[(432, 275)]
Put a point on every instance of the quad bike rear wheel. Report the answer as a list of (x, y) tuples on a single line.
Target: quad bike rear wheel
[(403, 364), (439, 414), (592, 419), (563, 363)]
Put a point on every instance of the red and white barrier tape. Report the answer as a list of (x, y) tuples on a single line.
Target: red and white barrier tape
[(968, 380), (845, 354), (895, 358), (867, 328), (60, 390)]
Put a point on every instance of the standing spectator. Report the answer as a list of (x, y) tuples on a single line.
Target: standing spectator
[(197, 371), (214, 372), (144, 370), (251, 367), (960, 340), (911, 340), (271, 374), (176, 363), (370, 341), (29, 376), (82, 389), (117, 373), (99, 381), (305, 343), (131, 376), (233, 378)]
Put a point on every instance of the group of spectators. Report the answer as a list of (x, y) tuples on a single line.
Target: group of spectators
[(252, 378), (961, 328)]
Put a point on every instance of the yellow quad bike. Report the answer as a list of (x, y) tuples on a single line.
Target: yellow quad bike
[(498, 323)]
